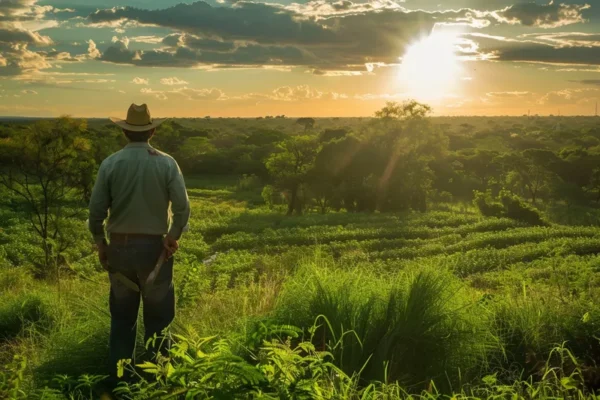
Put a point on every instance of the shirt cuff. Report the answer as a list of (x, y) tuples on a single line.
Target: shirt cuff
[(175, 232)]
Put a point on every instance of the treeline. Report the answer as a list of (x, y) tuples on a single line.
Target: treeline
[(401, 159)]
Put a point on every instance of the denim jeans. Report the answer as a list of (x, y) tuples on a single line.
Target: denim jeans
[(136, 259)]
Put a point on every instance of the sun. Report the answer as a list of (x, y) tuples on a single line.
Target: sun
[(430, 68)]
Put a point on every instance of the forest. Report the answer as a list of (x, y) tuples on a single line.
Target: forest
[(392, 257)]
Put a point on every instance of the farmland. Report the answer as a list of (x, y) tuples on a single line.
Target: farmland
[(375, 304)]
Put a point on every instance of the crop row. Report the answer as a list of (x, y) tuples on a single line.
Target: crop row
[(257, 222), (327, 234)]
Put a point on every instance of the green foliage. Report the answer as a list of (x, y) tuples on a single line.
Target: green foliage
[(476, 301), (507, 205), (409, 328), (22, 312)]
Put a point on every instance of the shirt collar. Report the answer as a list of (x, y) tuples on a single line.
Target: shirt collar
[(143, 145)]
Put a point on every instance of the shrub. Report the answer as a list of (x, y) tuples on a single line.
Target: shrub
[(22, 311), (515, 208), (486, 204), (507, 205), (412, 328)]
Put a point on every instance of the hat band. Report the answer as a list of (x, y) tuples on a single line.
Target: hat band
[(130, 123)]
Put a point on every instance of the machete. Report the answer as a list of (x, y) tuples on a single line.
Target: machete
[(125, 281), (156, 270)]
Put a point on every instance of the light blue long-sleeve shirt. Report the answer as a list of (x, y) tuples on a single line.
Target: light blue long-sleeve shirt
[(141, 190)]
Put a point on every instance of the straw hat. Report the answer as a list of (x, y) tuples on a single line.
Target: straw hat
[(138, 119)]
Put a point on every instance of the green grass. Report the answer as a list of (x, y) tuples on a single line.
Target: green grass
[(477, 305)]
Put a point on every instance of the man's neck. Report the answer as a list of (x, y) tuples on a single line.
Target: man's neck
[(138, 144)]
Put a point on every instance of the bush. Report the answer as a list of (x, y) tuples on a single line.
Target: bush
[(486, 204), (515, 208), (507, 205), (22, 311), (412, 328)]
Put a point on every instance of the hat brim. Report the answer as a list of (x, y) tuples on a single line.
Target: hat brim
[(137, 128)]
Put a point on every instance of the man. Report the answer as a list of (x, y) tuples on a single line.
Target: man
[(149, 209)]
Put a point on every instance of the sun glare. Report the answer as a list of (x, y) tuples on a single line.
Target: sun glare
[(430, 68)]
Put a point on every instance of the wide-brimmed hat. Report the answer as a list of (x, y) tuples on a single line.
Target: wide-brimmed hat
[(138, 119)]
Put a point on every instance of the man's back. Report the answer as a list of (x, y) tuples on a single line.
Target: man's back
[(137, 184)]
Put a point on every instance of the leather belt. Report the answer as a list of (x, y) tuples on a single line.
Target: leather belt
[(124, 238)]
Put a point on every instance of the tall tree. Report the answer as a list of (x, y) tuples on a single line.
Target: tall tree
[(290, 166), (49, 167), (307, 123)]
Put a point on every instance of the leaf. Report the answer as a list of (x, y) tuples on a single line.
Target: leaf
[(121, 367), (490, 380), (586, 318), (568, 383)]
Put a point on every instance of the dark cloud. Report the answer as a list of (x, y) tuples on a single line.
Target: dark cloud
[(266, 34), (16, 35), (256, 21), (503, 49), (16, 57), (244, 54), (594, 82), (195, 42), (330, 36), (551, 15)]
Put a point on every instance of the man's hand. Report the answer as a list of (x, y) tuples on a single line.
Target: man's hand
[(171, 245), (103, 253)]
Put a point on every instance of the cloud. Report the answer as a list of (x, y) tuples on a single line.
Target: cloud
[(199, 94), (140, 81), (16, 35), (93, 51), (147, 39), (342, 36), (564, 39), (594, 82), (187, 93), (195, 42), (508, 94), (551, 15), (158, 94), (173, 81), (19, 22), (19, 59), (570, 96), (293, 93), (480, 46)]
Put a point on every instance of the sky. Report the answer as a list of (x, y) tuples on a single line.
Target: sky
[(318, 58)]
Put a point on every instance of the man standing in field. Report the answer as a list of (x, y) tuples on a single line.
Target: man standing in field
[(145, 193)]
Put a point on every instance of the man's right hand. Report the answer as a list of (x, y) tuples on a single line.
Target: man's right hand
[(102, 247), (171, 245)]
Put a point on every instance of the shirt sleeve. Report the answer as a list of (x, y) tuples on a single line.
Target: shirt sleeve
[(99, 204), (180, 204)]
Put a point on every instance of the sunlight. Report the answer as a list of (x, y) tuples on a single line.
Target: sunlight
[(430, 68)]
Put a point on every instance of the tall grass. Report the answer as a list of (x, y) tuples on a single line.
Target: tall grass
[(412, 327)]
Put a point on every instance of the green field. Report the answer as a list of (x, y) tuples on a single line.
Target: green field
[(393, 257), (478, 306)]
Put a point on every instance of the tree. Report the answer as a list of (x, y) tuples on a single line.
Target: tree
[(168, 138), (527, 173), (594, 185), (307, 123), (48, 166), (480, 165), (407, 142), (290, 166)]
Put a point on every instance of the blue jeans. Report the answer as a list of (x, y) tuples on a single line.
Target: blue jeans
[(136, 259)]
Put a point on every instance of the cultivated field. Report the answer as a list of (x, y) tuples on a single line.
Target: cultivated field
[(379, 258), (442, 302)]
